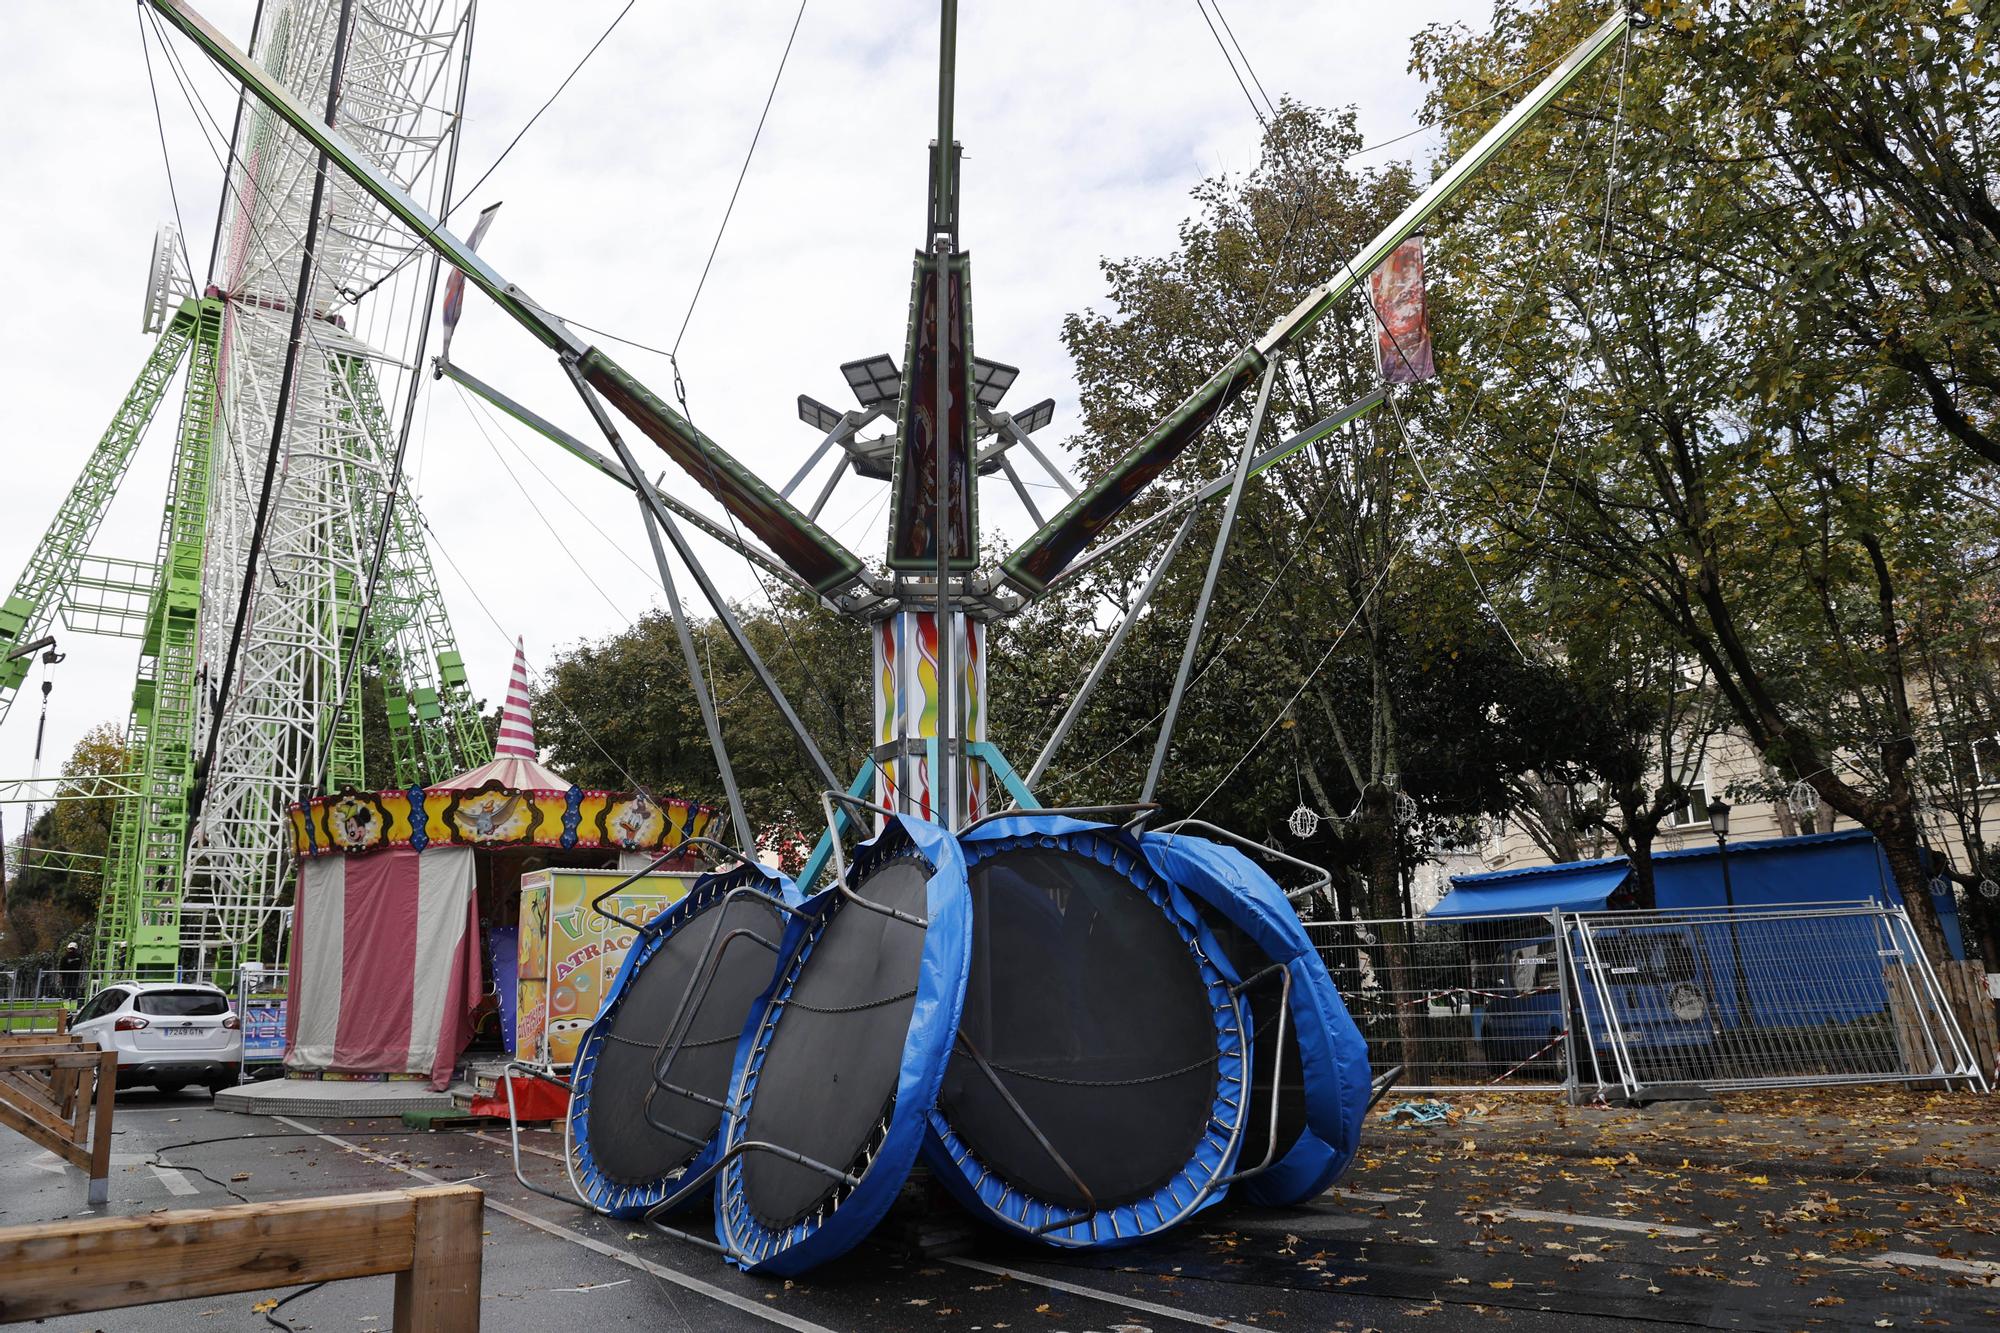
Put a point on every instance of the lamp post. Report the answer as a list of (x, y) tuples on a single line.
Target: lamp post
[(1718, 822)]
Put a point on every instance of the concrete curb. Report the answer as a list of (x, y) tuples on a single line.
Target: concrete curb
[(1654, 1155)]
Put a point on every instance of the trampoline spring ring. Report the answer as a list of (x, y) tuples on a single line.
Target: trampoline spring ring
[(1202, 1063), (851, 1008)]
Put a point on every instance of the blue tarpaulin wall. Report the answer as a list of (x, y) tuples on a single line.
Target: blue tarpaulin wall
[(1842, 867), (1581, 886)]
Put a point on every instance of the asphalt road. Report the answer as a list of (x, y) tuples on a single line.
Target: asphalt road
[(1418, 1236)]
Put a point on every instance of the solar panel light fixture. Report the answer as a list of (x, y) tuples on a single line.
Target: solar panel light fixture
[(874, 379), (817, 414), (1036, 417), (991, 380)]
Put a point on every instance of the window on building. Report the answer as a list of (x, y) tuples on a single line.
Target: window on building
[(1986, 761), (1694, 810)]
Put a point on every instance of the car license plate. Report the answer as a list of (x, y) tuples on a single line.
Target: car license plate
[(183, 1032)]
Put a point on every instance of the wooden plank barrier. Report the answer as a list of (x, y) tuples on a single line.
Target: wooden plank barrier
[(429, 1238), (60, 1096), (37, 1020)]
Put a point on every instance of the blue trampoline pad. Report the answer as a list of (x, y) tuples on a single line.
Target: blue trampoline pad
[(1322, 1093), (1098, 1090), (841, 1059), (635, 1130)]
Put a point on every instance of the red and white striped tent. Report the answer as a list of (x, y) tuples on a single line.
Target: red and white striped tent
[(385, 968)]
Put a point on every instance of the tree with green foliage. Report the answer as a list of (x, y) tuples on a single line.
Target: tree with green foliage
[(1673, 410), (1353, 661), (61, 874), (620, 713)]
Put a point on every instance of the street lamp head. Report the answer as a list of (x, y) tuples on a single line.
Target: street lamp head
[(1718, 818)]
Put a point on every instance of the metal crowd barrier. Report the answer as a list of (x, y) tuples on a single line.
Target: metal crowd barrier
[(1756, 998), (1624, 1003), (1468, 1003)]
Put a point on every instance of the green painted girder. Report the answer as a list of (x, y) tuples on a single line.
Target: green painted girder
[(138, 924), (51, 575)]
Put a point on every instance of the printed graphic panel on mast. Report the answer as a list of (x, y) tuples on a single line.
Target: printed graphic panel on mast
[(912, 506)]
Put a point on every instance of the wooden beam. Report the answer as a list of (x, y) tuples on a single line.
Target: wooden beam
[(110, 1263), (24, 1112), (28, 1127), (52, 1058), (105, 1094), (439, 1292)]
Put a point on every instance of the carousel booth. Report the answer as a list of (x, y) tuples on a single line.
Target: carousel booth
[(407, 929)]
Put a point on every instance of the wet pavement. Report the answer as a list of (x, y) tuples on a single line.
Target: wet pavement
[(1464, 1225)]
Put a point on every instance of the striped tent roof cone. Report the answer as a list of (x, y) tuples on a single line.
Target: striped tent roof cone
[(516, 764)]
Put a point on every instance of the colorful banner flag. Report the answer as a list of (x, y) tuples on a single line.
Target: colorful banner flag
[(454, 287), (1403, 331)]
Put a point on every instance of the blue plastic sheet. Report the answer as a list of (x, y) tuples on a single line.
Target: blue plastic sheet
[(946, 960), (1332, 1051)]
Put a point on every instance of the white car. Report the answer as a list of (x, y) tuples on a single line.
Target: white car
[(168, 1034)]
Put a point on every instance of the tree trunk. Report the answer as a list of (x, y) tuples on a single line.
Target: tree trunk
[(1900, 848), (1640, 854), (1385, 885)]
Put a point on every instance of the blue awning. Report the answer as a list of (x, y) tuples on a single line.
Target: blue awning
[(1579, 888)]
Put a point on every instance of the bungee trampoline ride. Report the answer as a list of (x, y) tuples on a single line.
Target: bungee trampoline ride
[(1088, 1028)]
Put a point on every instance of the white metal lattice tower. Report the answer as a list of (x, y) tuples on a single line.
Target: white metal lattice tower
[(280, 731)]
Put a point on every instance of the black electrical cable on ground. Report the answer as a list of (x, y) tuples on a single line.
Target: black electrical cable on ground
[(301, 307)]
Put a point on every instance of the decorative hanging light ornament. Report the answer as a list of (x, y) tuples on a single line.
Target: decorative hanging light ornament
[(1988, 889), (1803, 800), (1304, 822)]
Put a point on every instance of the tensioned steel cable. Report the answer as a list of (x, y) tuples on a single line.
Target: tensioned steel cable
[(166, 159), (451, 205), (743, 172)]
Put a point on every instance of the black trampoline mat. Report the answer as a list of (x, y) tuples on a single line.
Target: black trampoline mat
[(626, 1148), (1094, 1016), (829, 1076)]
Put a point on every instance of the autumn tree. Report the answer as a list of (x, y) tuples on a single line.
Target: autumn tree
[(1668, 418), (62, 857)]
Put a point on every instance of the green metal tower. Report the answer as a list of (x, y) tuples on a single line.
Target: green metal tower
[(434, 725), (138, 910), (52, 584)]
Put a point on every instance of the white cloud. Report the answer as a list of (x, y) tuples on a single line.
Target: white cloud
[(1085, 126)]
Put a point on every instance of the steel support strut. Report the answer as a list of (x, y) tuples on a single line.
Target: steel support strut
[(944, 442), (1243, 457), (1103, 663), (716, 601), (745, 840)]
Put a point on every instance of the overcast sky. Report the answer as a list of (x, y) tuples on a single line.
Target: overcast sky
[(1084, 125)]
